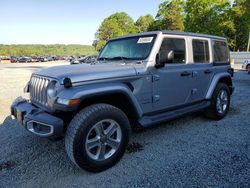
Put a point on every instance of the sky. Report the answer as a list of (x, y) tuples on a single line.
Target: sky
[(62, 21)]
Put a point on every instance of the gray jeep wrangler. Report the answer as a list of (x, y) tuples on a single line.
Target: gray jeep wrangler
[(143, 79)]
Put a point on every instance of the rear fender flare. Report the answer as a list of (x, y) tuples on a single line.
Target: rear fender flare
[(216, 79)]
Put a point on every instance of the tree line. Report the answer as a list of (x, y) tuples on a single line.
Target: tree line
[(57, 49), (215, 17)]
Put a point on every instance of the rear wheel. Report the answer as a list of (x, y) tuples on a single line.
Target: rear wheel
[(97, 137), (220, 102)]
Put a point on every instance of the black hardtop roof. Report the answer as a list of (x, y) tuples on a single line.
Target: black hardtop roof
[(168, 32)]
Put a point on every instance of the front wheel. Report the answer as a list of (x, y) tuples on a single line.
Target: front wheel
[(220, 102), (97, 137)]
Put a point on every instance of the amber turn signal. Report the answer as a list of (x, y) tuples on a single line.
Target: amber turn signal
[(73, 102)]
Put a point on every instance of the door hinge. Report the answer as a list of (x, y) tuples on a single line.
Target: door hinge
[(194, 91), (155, 78)]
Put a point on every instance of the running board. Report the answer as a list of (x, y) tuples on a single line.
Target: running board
[(147, 121)]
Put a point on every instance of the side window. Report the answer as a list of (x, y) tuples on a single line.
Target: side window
[(220, 51), (177, 46), (200, 51)]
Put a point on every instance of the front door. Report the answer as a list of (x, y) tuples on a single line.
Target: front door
[(172, 83)]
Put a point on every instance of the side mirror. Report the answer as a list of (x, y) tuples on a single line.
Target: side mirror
[(158, 62), (163, 58)]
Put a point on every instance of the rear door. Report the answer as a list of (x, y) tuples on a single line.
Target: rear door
[(202, 68)]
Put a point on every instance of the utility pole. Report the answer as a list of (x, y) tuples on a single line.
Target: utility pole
[(248, 44)]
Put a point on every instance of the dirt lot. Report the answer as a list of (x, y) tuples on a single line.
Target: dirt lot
[(189, 152), (13, 79)]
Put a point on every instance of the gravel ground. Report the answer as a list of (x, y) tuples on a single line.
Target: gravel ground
[(188, 152)]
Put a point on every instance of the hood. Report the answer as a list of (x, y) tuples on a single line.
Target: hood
[(87, 72)]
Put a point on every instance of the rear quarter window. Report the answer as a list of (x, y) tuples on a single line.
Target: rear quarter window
[(221, 53)]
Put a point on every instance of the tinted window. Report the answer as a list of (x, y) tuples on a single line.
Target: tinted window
[(178, 47), (220, 51), (200, 51)]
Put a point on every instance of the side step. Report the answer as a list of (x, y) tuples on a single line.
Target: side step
[(147, 121)]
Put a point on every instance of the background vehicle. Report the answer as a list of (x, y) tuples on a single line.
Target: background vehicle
[(61, 58), (24, 60), (4, 58), (50, 58), (86, 59), (13, 60), (142, 79), (89, 59), (75, 59), (35, 59), (246, 66), (43, 59)]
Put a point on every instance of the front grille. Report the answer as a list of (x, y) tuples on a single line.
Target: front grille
[(38, 89)]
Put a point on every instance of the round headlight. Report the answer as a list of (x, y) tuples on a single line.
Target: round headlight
[(52, 89)]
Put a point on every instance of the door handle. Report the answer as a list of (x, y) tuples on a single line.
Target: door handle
[(208, 71), (185, 73)]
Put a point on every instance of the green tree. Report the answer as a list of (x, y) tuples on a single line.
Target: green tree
[(210, 17), (125, 22), (144, 22), (117, 24), (170, 16), (58, 49), (241, 18), (109, 28), (247, 15)]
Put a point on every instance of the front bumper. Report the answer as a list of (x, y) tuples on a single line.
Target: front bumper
[(36, 120)]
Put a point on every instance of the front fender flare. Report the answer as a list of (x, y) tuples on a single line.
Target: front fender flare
[(95, 90)]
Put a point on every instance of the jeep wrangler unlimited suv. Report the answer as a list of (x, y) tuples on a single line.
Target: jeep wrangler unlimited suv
[(141, 79)]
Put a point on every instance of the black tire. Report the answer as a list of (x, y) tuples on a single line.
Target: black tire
[(212, 111), (79, 129)]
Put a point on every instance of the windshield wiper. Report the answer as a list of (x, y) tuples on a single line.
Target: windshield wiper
[(123, 58), (120, 58)]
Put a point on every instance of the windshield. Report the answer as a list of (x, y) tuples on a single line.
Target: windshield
[(133, 48)]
